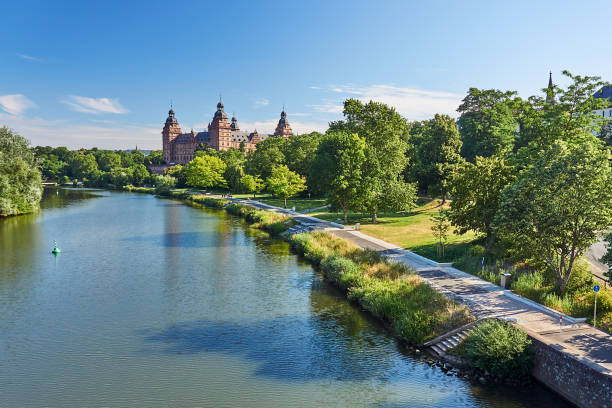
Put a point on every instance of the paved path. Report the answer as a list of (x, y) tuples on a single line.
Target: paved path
[(584, 342)]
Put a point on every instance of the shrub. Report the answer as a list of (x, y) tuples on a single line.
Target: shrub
[(530, 285), (500, 348), (342, 271), (163, 185), (476, 250)]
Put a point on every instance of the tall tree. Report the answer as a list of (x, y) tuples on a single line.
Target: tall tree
[(252, 184), (487, 124), (338, 169), (438, 157), (284, 183), (205, 171), (384, 131), (267, 156), (20, 178), (83, 165), (300, 150), (476, 190), (553, 210)]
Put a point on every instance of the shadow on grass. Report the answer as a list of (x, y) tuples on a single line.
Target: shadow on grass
[(453, 252)]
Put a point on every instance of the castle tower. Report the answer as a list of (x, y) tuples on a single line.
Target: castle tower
[(234, 124), (220, 130), (283, 128), (169, 133)]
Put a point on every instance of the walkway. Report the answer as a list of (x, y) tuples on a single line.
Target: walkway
[(584, 342)]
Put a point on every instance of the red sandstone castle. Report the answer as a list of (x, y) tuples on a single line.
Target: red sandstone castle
[(179, 148)]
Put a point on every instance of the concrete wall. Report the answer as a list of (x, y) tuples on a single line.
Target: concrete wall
[(582, 383)]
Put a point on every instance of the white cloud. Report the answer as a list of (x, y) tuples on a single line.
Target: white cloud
[(412, 103), (328, 107), (74, 136), (94, 105), (30, 58), (15, 104), (315, 87), (263, 102)]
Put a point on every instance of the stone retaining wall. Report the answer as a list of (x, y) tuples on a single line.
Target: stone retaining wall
[(580, 382)]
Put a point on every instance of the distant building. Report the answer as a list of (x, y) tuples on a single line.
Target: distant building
[(605, 93), (179, 147)]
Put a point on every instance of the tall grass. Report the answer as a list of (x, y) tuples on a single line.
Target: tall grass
[(390, 291)]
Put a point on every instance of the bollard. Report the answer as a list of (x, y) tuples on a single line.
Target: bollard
[(560, 323)]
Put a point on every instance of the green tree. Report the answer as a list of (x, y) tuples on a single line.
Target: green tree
[(385, 132), (569, 116), (164, 184), (178, 172), (338, 170), (205, 171), (121, 176), (300, 150), (476, 190), (553, 210), (20, 178), (267, 156), (439, 228), (252, 184), (139, 174), (83, 165), (438, 157), (154, 158), (109, 160), (284, 183), (487, 124)]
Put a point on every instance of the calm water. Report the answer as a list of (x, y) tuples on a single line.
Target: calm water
[(153, 303)]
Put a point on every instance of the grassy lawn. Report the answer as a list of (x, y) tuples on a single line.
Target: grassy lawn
[(409, 230)]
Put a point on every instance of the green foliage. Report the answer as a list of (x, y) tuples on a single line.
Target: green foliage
[(154, 158), (500, 348), (389, 291), (487, 124), (300, 151), (267, 156), (273, 223), (120, 176), (163, 185), (205, 171), (83, 165), (384, 131), (284, 183), (476, 190), (552, 212), (437, 156), (439, 229), (20, 178), (337, 170), (252, 184), (569, 117)]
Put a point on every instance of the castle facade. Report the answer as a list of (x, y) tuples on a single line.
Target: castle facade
[(179, 147)]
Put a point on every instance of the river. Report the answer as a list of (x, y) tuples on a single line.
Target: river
[(154, 303)]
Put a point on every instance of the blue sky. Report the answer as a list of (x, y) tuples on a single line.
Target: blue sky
[(92, 73)]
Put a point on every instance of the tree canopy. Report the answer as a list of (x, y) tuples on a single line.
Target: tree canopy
[(553, 210), (20, 178)]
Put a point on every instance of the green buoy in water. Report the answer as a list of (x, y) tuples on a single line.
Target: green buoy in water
[(55, 249)]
